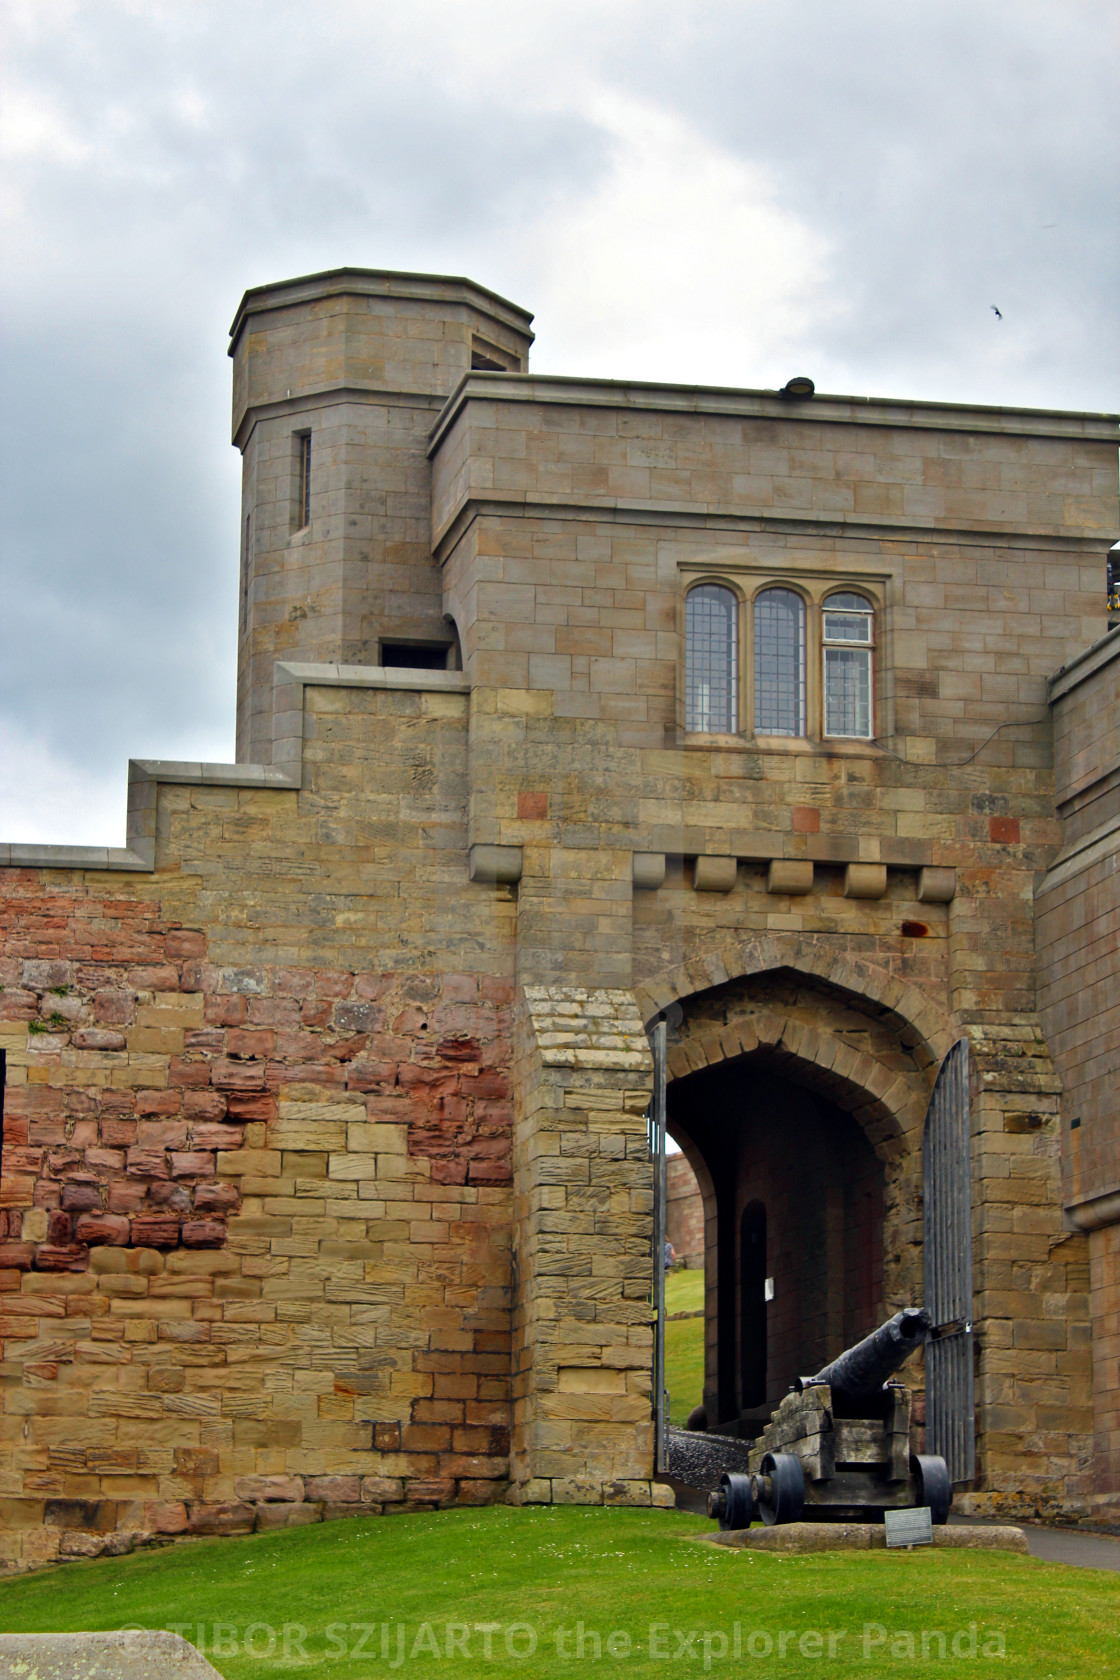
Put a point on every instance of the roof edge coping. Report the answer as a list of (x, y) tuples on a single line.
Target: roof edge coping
[(1085, 665), (824, 408), (376, 282)]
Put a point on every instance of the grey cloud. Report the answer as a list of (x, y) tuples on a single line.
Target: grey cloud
[(202, 149), (932, 143)]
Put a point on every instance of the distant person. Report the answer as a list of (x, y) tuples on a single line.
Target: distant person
[(670, 1256)]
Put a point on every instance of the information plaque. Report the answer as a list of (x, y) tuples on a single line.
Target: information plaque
[(909, 1528)]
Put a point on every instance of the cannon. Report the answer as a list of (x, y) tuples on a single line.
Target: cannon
[(861, 1373), (838, 1447)]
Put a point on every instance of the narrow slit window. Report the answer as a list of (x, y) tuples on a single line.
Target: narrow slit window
[(711, 660), (779, 663), (246, 561), (303, 478), (849, 639), (416, 656)]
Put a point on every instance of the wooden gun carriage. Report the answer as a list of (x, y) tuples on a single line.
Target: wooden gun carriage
[(838, 1446)]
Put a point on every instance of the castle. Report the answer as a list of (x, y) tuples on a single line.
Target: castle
[(783, 723)]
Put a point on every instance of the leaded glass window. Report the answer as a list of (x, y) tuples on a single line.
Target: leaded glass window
[(303, 485), (849, 633), (711, 660), (779, 663)]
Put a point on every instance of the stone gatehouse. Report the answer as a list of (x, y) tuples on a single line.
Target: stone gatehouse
[(563, 705)]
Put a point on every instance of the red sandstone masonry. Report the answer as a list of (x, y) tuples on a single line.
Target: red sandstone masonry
[(186, 1195)]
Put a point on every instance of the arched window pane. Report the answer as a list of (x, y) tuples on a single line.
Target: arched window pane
[(710, 660), (845, 601), (779, 663), (848, 618)]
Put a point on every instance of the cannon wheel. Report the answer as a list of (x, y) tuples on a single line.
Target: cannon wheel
[(786, 1500), (736, 1501), (934, 1487)]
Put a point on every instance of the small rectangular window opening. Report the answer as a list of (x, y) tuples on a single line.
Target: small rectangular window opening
[(245, 562), (416, 656), (491, 358), (303, 480)]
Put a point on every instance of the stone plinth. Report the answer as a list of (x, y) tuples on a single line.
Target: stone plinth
[(102, 1656), (862, 1537)]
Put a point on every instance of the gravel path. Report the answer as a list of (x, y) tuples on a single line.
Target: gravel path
[(699, 1459)]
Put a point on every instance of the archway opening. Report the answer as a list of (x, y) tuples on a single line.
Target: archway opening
[(794, 1197)]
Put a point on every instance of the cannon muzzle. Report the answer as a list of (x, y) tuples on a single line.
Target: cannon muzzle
[(860, 1372)]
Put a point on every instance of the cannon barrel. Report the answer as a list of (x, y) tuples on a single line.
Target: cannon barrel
[(861, 1371)]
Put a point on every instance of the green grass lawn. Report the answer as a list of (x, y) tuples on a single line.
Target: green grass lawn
[(684, 1344), (436, 1582)]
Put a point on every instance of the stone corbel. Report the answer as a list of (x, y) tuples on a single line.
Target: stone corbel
[(865, 880), (791, 876), (936, 886), (649, 870), (715, 874), (495, 865)]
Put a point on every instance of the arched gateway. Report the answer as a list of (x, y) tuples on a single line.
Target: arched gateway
[(799, 1102)]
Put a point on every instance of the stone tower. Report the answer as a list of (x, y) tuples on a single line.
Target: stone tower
[(338, 379)]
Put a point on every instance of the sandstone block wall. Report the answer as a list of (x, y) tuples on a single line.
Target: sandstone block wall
[(257, 1212), (1104, 1251), (1078, 929)]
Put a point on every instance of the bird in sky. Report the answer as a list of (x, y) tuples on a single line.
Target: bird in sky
[(998, 313)]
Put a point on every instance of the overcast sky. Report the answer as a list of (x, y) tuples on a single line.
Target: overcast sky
[(723, 193)]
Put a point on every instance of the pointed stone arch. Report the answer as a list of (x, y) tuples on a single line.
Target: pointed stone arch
[(925, 1028), (847, 1031), (889, 1104)]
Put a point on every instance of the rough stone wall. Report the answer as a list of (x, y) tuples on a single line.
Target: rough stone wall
[(258, 1235), (256, 1194), (583, 1196), (1033, 1390)]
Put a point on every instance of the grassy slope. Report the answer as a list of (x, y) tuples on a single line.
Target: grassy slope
[(684, 1344), (615, 1570)]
